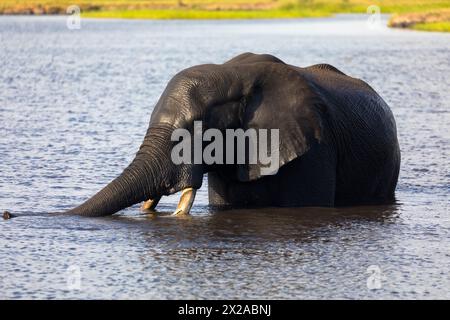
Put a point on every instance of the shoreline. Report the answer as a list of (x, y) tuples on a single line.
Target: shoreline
[(437, 20), (426, 16)]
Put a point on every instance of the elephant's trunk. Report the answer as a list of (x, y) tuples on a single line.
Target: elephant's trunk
[(137, 183), (124, 191)]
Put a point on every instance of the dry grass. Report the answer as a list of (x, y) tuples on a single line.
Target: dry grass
[(57, 6), (435, 20)]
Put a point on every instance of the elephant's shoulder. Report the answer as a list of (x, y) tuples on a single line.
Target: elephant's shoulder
[(249, 57), (325, 66), (327, 76)]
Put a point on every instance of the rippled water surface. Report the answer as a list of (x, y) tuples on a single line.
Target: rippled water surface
[(75, 104)]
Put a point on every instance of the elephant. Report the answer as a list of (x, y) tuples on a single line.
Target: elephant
[(337, 140)]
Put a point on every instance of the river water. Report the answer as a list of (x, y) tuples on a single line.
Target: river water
[(75, 104)]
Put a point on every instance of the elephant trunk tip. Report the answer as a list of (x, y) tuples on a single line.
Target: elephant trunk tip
[(7, 215), (123, 192)]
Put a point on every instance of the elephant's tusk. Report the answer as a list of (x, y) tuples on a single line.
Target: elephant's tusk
[(186, 201), (150, 204)]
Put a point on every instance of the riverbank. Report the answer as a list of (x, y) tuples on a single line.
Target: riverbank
[(242, 9), (438, 20)]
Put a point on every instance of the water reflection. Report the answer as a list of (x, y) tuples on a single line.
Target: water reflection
[(262, 224)]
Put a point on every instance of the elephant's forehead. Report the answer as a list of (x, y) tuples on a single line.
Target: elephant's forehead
[(227, 75), (193, 90), (172, 111)]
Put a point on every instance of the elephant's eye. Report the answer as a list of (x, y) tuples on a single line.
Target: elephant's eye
[(169, 187)]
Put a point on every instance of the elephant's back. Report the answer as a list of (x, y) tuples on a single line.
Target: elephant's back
[(361, 127), (350, 105)]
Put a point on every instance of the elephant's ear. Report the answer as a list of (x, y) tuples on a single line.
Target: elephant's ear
[(286, 101)]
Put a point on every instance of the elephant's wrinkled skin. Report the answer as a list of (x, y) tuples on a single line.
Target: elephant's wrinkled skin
[(338, 140)]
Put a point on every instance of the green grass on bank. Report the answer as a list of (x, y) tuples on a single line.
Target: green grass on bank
[(229, 9), (204, 14), (274, 9), (232, 7), (433, 26), (264, 9)]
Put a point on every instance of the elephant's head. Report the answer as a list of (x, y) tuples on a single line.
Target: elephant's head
[(249, 91)]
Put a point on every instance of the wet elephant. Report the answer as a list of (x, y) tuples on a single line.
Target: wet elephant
[(337, 140)]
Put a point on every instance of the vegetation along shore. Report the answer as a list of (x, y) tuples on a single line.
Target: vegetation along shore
[(427, 15)]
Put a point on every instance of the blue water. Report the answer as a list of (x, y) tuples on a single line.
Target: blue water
[(74, 107)]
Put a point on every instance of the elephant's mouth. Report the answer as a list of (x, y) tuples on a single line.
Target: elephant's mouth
[(184, 204)]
